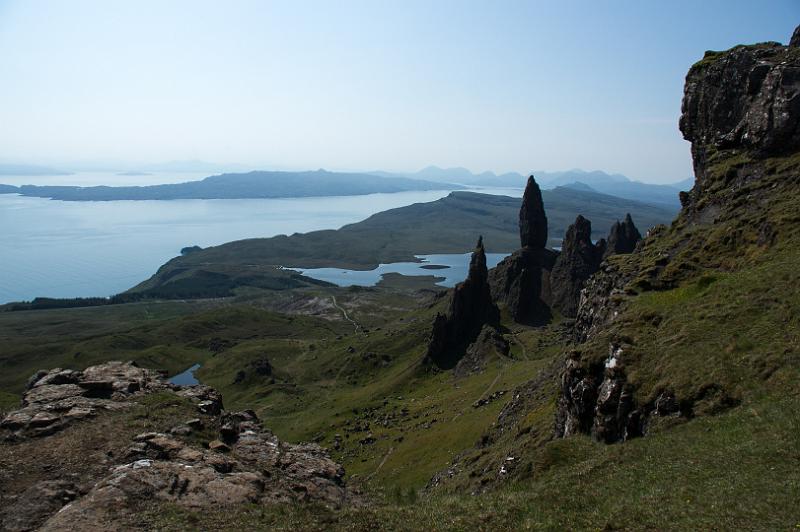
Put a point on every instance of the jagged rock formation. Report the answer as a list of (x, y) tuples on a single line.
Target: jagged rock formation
[(471, 307), (578, 260), (241, 463), (522, 280), (622, 238), (741, 112), (57, 398)]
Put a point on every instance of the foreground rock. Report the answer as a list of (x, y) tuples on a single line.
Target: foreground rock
[(57, 398), (216, 459)]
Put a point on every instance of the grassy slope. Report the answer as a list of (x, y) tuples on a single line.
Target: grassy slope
[(730, 319), (722, 331)]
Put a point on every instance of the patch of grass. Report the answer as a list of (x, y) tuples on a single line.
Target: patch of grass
[(726, 472), (8, 402)]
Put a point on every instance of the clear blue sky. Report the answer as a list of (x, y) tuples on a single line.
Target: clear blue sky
[(364, 85)]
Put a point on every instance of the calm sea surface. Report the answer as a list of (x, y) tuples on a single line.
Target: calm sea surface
[(81, 249)]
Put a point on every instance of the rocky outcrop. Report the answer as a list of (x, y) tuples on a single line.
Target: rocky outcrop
[(218, 458), (471, 307), (254, 467), (578, 260), (522, 280), (600, 301), (747, 98), (622, 238), (598, 401), (58, 398), (489, 343)]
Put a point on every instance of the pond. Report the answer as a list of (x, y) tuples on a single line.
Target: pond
[(187, 377), (452, 266)]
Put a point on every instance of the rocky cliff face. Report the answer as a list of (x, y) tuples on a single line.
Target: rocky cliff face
[(741, 112), (75, 456), (522, 280), (471, 307), (578, 260)]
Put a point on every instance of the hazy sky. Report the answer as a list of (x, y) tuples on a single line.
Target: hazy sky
[(393, 85)]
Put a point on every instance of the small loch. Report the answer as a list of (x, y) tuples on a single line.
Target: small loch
[(187, 377), (452, 266)]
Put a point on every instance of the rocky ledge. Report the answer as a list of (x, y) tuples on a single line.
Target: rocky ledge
[(215, 459)]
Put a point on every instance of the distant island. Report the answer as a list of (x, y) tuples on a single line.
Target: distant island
[(134, 173), (596, 180), (251, 185)]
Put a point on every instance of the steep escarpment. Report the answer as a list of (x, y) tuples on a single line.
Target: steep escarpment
[(741, 112), (89, 449), (684, 337)]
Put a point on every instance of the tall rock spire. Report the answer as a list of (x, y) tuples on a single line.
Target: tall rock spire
[(532, 220), (477, 264), (471, 307)]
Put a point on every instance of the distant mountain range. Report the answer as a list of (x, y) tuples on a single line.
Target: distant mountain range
[(273, 184), (599, 181), (239, 186)]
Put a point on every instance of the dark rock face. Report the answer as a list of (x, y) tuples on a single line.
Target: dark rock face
[(746, 98), (522, 282), (471, 307), (622, 238), (488, 343), (598, 401), (795, 41), (532, 220), (578, 260)]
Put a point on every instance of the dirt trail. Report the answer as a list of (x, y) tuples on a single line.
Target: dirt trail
[(344, 313)]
